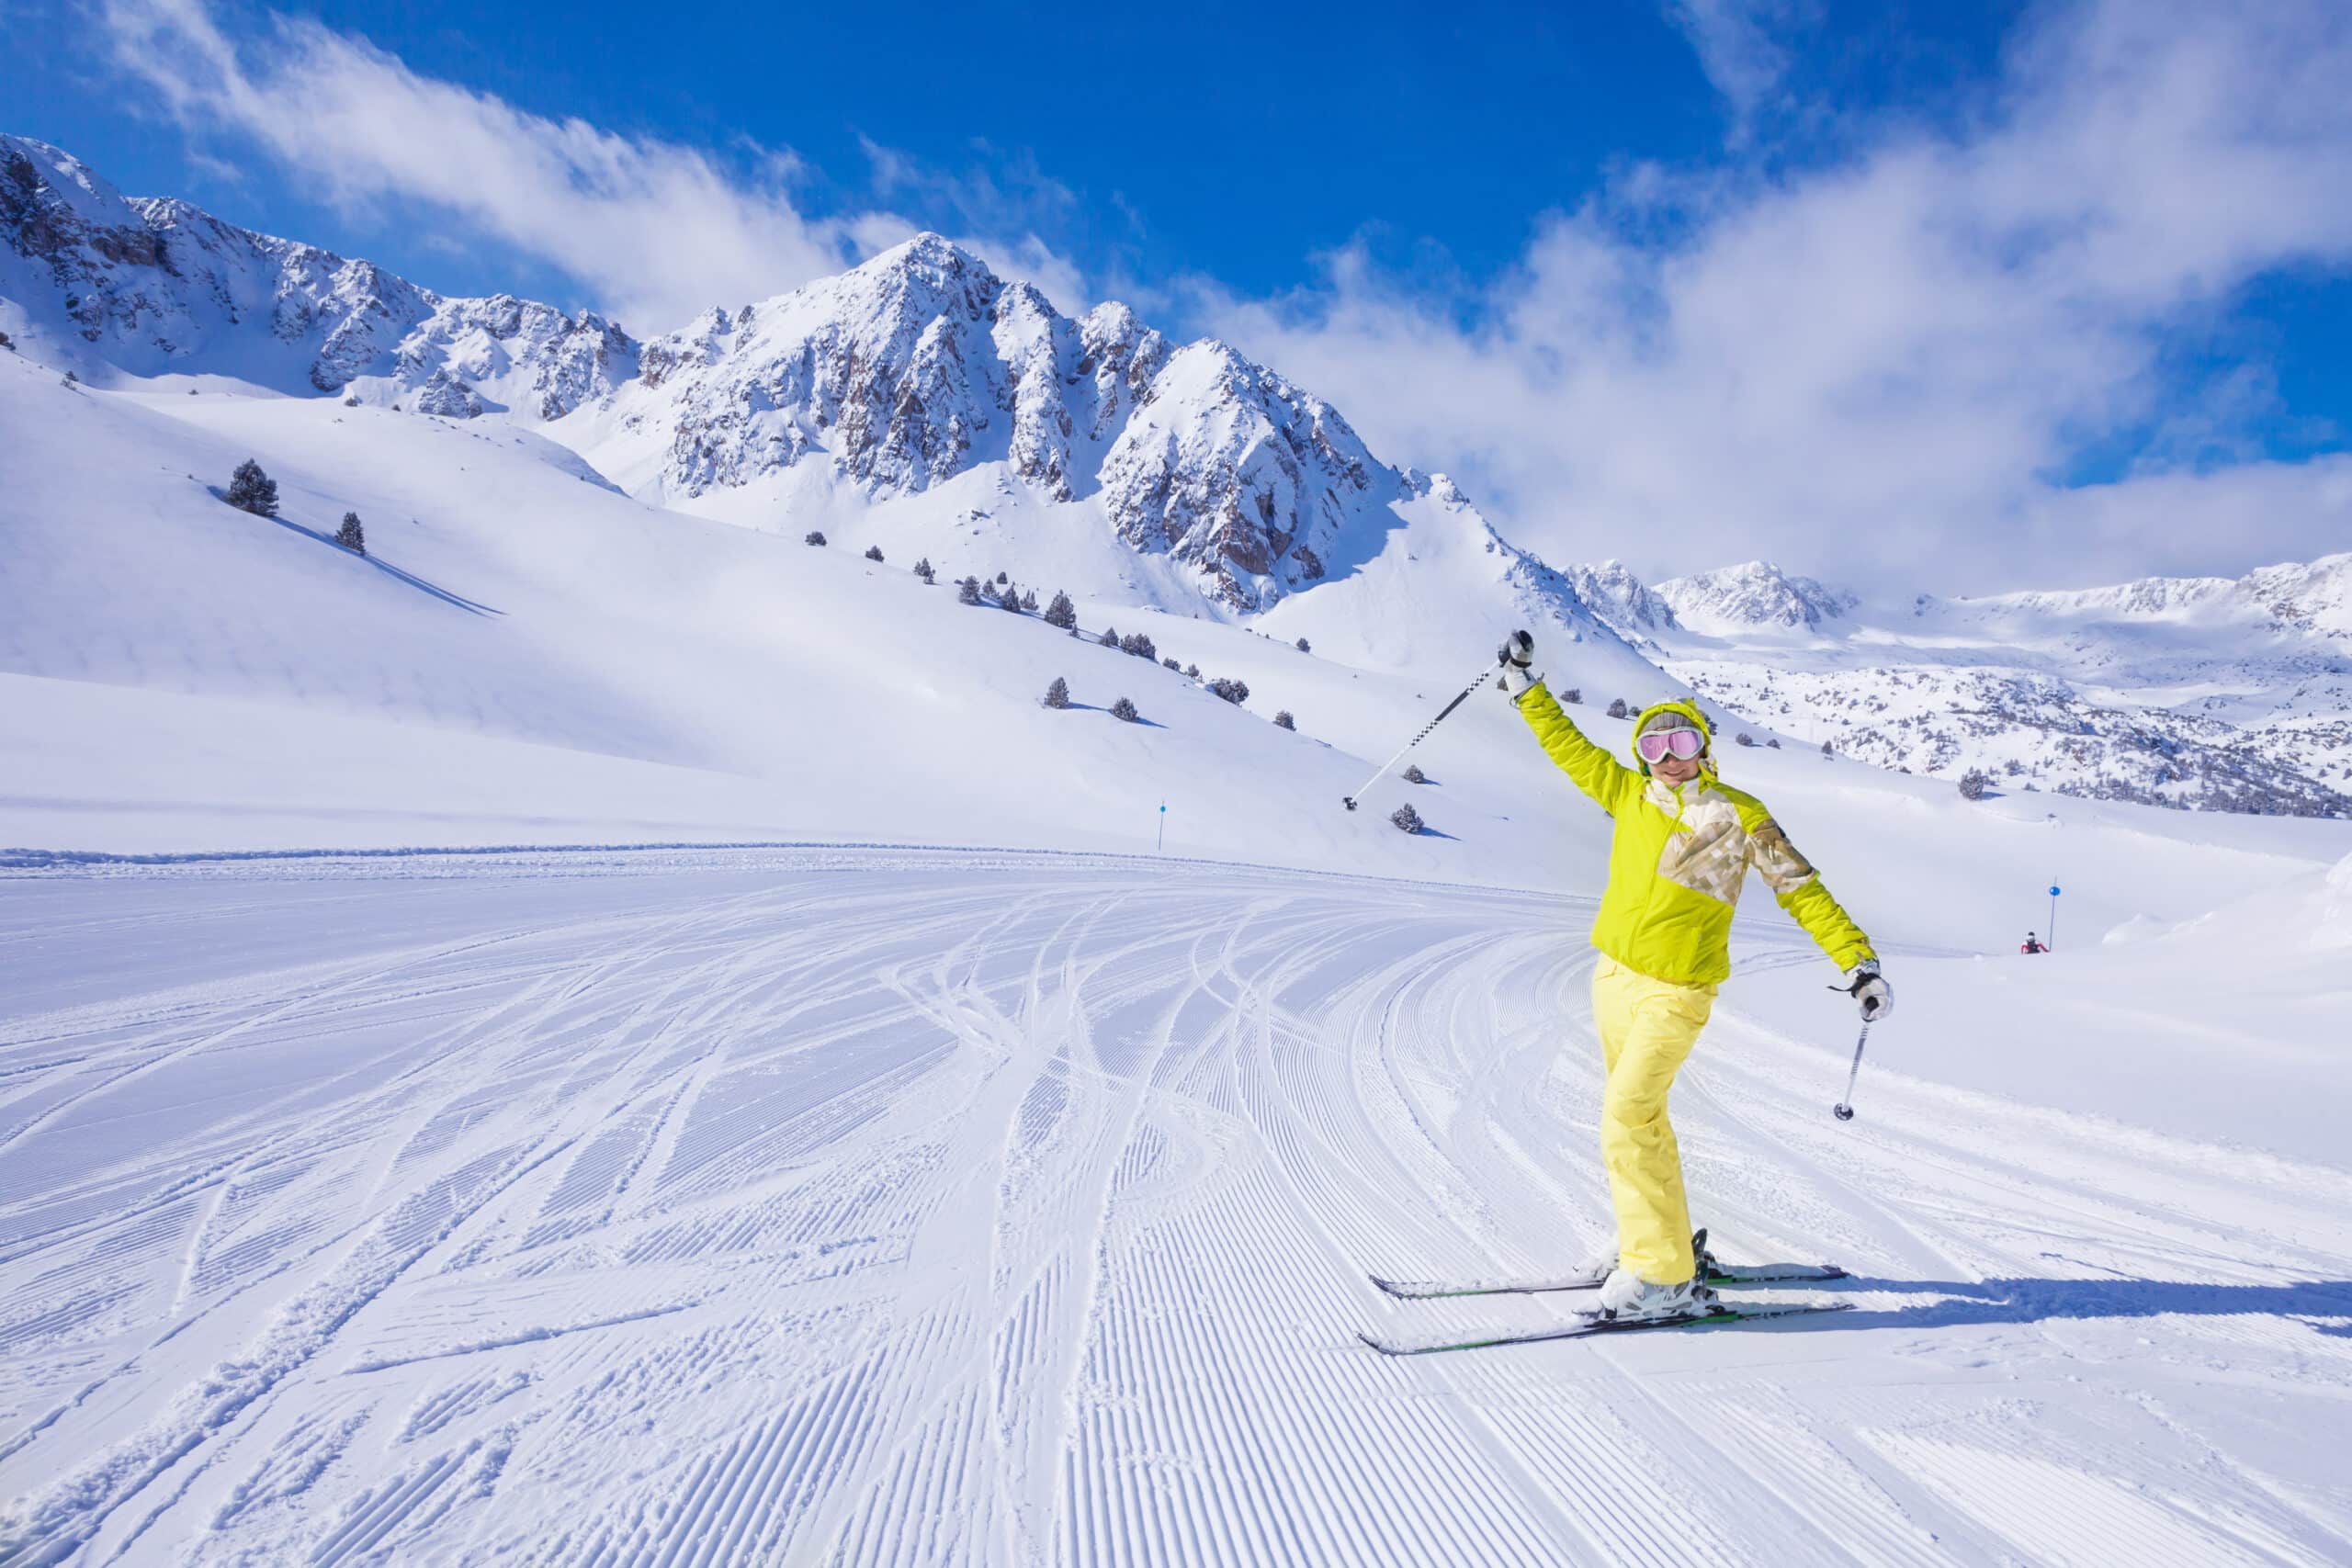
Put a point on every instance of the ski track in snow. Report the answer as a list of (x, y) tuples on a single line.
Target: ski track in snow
[(1022, 1211)]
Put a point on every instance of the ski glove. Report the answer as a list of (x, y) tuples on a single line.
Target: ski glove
[(1864, 984), (1516, 651)]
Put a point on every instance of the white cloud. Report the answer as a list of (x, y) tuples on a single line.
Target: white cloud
[(1858, 366), (1734, 42), (653, 231)]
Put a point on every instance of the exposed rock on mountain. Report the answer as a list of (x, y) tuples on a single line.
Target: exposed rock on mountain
[(155, 286), (1755, 595)]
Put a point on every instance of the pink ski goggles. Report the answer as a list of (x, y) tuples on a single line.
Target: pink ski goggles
[(1657, 744)]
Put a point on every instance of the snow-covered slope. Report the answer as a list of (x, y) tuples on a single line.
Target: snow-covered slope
[(1008, 1210), (2229, 693)]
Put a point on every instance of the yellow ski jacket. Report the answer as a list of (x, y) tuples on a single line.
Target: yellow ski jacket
[(1681, 854)]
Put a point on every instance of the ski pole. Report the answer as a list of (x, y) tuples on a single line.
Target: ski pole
[(1416, 740), (1844, 1108)]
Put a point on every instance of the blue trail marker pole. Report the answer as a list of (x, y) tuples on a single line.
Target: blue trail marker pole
[(1161, 843), (2053, 918)]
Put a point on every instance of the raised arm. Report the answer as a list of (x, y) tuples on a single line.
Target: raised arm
[(1609, 781)]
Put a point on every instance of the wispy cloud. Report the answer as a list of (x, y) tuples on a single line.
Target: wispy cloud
[(1855, 365), (1737, 47), (653, 230)]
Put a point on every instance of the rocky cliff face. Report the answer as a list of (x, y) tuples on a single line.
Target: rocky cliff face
[(921, 363), (155, 285)]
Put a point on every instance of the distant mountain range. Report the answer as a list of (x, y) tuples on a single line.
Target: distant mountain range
[(919, 398)]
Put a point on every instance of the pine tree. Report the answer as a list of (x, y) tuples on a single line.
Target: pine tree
[(1057, 694), (1744, 739), (1825, 750), (1406, 818), (1010, 600), (1029, 599), (1413, 773), (1169, 664), (1191, 672), (1573, 698), (1973, 784), (1282, 719), (1110, 636), (1774, 742), (873, 552), (1234, 692), (1002, 578), (1617, 708), (968, 591), (1062, 612), (1126, 710), (1138, 645), (1303, 646), (813, 537), (252, 490), (351, 537), (923, 570)]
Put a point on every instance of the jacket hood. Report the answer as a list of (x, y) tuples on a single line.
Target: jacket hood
[(1697, 721)]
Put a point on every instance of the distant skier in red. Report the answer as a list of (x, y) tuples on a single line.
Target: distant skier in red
[(2032, 944)]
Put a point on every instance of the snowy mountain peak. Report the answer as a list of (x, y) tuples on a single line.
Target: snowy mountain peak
[(152, 286), (1757, 594), (1619, 598)]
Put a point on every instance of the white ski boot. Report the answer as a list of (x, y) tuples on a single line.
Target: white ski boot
[(1626, 1297)]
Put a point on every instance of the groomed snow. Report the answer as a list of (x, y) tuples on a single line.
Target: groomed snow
[(893, 1207)]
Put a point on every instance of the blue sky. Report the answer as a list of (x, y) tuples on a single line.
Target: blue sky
[(1677, 281)]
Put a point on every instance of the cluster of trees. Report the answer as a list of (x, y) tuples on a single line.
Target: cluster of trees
[(251, 490)]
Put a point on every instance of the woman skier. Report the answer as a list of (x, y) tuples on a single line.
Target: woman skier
[(1683, 843)]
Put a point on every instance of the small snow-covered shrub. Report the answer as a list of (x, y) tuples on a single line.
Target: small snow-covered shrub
[(1169, 664), (1973, 784), (1774, 743), (1126, 710), (1571, 697), (1109, 638), (1234, 692), (1413, 773), (1408, 819), (1282, 719), (252, 490), (1617, 708), (968, 591), (924, 569), (1744, 739), (814, 537), (1191, 672), (1303, 646), (873, 552), (1138, 645)]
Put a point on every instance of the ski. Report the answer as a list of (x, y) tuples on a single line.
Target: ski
[(1591, 1280), (1585, 1322), (1710, 1273)]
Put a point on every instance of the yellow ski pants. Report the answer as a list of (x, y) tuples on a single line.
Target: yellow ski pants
[(1646, 1028)]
